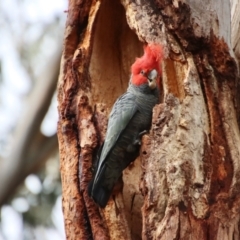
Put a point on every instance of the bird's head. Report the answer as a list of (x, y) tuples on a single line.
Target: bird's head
[(147, 69)]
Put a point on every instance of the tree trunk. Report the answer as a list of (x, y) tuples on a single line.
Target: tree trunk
[(186, 182)]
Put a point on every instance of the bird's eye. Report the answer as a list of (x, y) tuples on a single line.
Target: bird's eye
[(142, 72)]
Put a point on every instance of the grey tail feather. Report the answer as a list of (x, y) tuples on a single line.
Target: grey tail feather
[(99, 194)]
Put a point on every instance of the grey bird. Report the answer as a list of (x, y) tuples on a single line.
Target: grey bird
[(129, 119)]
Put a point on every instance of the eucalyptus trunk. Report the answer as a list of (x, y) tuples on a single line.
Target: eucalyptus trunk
[(186, 182)]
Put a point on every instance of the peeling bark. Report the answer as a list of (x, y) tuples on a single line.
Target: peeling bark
[(185, 184)]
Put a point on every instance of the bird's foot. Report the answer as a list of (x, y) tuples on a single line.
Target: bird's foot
[(138, 140)]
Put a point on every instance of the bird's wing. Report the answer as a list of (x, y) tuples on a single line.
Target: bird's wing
[(123, 111)]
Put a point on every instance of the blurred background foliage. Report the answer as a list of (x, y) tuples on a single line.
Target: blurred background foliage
[(30, 48)]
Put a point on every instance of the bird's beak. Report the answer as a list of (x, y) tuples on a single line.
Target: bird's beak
[(152, 79)]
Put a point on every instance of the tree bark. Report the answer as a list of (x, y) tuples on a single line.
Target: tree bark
[(186, 182)]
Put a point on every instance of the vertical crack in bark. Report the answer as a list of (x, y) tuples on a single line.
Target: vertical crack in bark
[(232, 134), (211, 90), (226, 71), (70, 106), (222, 107), (133, 197)]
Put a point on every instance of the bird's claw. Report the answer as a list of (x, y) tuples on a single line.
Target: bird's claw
[(138, 140), (142, 133)]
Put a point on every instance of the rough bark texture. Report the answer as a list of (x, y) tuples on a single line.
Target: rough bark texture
[(186, 182)]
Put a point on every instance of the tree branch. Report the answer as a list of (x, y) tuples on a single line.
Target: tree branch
[(30, 147)]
